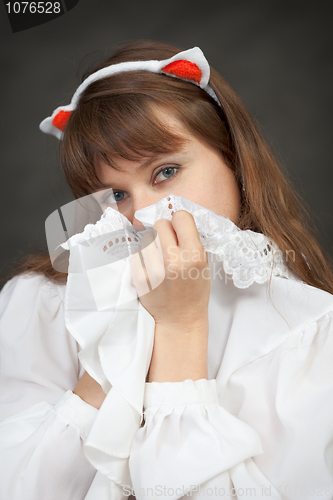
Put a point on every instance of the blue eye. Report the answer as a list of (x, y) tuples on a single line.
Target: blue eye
[(115, 197), (118, 196), (167, 172)]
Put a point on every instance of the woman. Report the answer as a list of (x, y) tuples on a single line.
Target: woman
[(239, 380)]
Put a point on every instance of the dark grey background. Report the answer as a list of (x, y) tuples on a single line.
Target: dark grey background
[(276, 55)]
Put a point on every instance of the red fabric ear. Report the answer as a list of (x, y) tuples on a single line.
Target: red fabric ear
[(60, 119), (184, 69)]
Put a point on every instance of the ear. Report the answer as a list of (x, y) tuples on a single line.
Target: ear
[(185, 70), (60, 119)]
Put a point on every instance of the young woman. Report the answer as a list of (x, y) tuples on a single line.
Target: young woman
[(233, 335)]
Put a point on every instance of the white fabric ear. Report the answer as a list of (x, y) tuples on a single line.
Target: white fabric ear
[(195, 56), (47, 126)]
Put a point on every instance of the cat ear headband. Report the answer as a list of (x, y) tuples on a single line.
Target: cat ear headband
[(189, 65)]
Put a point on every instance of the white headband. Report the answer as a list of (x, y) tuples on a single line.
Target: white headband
[(190, 65)]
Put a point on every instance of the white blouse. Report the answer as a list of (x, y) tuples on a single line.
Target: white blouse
[(261, 426)]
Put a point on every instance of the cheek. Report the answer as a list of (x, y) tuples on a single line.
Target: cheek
[(223, 200), (218, 191), (229, 205), (228, 198)]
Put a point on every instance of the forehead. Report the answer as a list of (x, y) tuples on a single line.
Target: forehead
[(118, 164)]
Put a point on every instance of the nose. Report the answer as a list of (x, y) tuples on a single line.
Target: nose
[(141, 201), (138, 225)]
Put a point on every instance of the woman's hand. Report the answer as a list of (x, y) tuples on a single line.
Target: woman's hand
[(178, 304), (177, 254), (89, 391)]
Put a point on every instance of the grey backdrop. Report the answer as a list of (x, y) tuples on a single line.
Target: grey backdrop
[(276, 55)]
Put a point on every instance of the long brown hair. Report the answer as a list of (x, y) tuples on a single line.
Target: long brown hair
[(116, 117)]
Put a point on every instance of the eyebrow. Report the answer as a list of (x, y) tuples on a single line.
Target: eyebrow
[(149, 162), (181, 153)]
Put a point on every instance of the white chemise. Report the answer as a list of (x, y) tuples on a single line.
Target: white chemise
[(261, 426)]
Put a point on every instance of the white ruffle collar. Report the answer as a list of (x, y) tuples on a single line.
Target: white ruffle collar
[(116, 333)]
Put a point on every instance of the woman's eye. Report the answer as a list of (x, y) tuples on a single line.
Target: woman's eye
[(114, 197), (166, 173)]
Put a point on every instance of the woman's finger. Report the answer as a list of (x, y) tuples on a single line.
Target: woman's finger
[(186, 231), (166, 234)]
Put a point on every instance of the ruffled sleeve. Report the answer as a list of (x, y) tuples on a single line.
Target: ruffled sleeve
[(190, 443), (43, 424)]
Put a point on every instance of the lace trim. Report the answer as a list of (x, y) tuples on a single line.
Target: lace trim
[(247, 256), (112, 234)]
